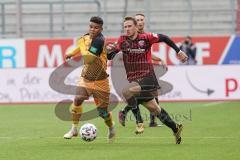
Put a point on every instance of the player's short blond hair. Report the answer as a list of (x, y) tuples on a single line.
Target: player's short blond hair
[(128, 18), (140, 14)]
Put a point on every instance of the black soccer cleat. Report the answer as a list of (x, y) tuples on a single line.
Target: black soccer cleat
[(121, 118), (153, 124)]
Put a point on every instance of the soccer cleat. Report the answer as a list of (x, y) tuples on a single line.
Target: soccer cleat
[(178, 133), (111, 134), (139, 128), (72, 133), (153, 124), (121, 118)]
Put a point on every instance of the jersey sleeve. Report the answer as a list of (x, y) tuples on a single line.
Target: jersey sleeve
[(169, 42), (156, 38), (118, 44), (73, 51), (117, 49), (153, 38), (96, 46)]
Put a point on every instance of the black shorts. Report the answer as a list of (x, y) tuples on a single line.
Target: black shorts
[(149, 86), (149, 83), (143, 100)]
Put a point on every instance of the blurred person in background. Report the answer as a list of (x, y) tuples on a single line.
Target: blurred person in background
[(190, 49)]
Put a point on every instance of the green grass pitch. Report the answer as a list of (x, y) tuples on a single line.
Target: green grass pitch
[(211, 131)]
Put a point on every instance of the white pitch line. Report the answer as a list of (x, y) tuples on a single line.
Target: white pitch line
[(208, 137), (213, 103)]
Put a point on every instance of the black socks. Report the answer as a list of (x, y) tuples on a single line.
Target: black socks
[(132, 102), (167, 120)]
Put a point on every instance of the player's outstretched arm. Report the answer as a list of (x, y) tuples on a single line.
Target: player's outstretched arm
[(180, 54), (72, 53), (111, 50), (159, 60)]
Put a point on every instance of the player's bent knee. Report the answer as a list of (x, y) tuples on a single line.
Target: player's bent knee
[(157, 111), (135, 89), (154, 110), (78, 100), (126, 93)]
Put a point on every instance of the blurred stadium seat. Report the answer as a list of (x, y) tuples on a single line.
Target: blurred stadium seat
[(238, 17), (59, 18)]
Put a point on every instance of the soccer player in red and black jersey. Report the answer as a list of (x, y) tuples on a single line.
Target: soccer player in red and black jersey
[(140, 18), (136, 49)]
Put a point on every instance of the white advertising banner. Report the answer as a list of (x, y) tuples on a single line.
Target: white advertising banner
[(190, 83), (12, 53), (203, 83)]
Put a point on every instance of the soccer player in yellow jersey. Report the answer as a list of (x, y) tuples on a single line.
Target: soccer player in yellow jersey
[(94, 78)]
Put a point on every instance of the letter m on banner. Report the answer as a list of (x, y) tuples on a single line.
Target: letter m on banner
[(46, 53)]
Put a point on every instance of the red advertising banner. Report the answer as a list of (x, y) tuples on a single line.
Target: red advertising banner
[(49, 53), (209, 49), (46, 53)]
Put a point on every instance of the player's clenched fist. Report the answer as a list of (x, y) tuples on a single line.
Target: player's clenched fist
[(111, 47), (67, 56), (182, 56)]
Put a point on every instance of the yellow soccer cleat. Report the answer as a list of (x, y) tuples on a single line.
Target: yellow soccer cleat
[(178, 133), (139, 128)]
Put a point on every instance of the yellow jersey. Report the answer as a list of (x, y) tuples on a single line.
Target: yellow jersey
[(94, 55)]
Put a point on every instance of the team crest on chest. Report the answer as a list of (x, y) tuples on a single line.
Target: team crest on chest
[(141, 44)]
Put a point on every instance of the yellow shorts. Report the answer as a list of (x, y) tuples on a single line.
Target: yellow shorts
[(100, 90)]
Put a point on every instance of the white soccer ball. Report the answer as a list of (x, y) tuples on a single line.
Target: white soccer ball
[(88, 132)]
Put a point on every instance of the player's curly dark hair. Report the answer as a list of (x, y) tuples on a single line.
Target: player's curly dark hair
[(96, 19)]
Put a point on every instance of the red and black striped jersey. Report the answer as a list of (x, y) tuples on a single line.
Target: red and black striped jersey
[(137, 55)]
